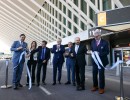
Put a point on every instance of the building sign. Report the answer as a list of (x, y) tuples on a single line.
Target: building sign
[(114, 17), (91, 32), (102, 19)]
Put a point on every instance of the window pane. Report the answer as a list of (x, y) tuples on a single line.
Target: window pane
[(69, 14), (76, 2), (69, 25), (76, 20), (64, 30), (60, 17), (64, 20), (60, 5), (84, 6), (125, 2), (69, 33), (92, 15), (59, 26), (106, 4), (64, 9), (75, 30)]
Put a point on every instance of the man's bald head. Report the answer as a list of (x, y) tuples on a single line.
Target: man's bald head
[(59, 41), (77, 40)]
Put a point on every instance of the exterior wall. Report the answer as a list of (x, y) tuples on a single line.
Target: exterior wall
[(68, 19), (65, 18)]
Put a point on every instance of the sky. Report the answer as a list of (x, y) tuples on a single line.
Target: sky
[(4, 47)]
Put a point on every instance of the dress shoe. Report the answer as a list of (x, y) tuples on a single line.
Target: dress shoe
[(68, 82), (20, 85), (38, 84), (59, 82), (101, 91), (44, 83), (27, 84), (33, 83), (54, 83), (78, 88), (15, 87), (74, 84), (94, 89), (82, 88)]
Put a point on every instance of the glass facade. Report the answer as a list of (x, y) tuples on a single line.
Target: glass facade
[(68, 17)]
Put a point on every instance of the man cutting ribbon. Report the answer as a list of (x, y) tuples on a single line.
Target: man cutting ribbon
[(18, 59), (101, 46)]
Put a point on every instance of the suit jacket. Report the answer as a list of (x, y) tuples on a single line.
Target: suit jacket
[(80, 56), (33, 56), (69, 58), (39, 50), (17, 53), (58, 55), (103, 50)]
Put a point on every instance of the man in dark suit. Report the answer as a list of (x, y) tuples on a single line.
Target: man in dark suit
[(79, 51), (101, 46), (18, 47), (43, 57), (58, 60)]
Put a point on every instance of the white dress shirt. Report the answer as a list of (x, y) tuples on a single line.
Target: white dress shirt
[(76, 48)]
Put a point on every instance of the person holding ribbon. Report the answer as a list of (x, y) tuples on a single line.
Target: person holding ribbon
[(18, 47), (32, 62), (101, 47), (43, 57)]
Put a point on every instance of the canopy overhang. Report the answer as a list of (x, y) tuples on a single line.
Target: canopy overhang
[(114, 20)]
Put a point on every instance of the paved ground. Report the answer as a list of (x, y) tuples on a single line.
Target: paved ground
[(61, 92)]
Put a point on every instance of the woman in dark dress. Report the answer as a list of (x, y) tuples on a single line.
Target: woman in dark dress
[(32, 62)]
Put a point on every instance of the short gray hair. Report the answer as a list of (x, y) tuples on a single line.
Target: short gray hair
[(97, 32), (70, 43), (59, 39)]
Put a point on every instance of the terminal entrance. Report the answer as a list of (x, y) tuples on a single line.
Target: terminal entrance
[(122, 54)]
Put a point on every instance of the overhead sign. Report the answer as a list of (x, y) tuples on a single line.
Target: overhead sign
[(113, 17), (91, 32), (102, 19)]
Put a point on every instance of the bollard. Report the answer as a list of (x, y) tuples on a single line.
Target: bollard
[(118, 68), (121, 97), (6, 76)]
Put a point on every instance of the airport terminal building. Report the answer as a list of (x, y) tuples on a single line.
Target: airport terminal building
[(67, 19)]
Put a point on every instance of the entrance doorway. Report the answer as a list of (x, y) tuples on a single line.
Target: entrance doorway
[(122, 54)]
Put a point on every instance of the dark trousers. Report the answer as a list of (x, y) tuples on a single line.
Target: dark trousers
[(44, 68), (101, 77), (58, 66), (31, 66), (80, 74)]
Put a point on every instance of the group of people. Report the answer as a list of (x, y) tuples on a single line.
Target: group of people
[(75, 61)]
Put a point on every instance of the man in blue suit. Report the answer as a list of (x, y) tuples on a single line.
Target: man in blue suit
[(101, 46), (58, 60), (18, 47), (43, 57), (70, 64)]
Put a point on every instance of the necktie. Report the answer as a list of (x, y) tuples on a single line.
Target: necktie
[(21, 43), (58, 47), (69, 49), (76, 49), (42, 54), (97, 42)]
